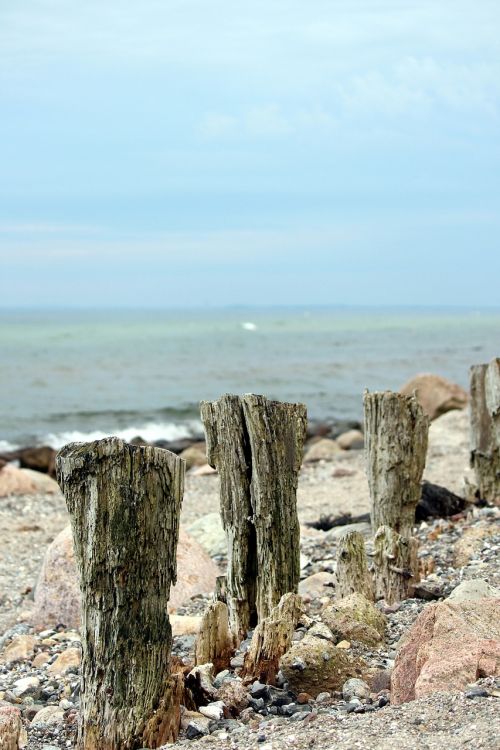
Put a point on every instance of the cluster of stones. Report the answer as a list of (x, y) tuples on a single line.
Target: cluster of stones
[(133, 688), (39, 681)]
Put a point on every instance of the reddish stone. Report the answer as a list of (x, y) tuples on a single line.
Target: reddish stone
[(451, 644), (10, 727), (57, 594)]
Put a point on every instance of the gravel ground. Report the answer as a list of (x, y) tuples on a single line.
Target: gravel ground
[(28, 524), (439, 721)]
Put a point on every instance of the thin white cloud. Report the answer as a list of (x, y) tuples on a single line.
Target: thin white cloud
[(34, 228), (217, 247)]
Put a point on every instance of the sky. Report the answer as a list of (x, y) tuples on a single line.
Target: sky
[(185, 152)]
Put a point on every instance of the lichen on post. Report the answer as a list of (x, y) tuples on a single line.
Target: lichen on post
[(124, 502), (396, 437), (352, 574), (256, 445), (396, 565), (485, 428)]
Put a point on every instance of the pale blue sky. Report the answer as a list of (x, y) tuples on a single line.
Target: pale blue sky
[(181, 152)]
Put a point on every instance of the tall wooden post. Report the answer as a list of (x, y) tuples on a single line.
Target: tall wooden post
[(256, 446), (124, 502), (485, 428), (396, 436)]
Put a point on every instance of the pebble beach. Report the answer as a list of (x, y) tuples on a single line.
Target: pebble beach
[(43, 679)]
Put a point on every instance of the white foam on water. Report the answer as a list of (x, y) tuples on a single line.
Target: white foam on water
[(6, 447), (150, 432), (249, 326)]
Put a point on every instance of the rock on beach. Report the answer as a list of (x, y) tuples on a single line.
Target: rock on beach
[(14, 481), (450, 645), (436, 394), (57, 594)]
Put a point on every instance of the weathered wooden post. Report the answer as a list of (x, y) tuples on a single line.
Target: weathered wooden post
[(256, 446), (352, 574), (396, 565), (396, 438), (485, 428), (124, 502), (215, 642), (272, 638)]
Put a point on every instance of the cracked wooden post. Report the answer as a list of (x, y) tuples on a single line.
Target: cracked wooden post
[(485, 428), (352, 575), (396, 435), (124, 502), (215, 642), (256, 446), (272, 638), (396, 565)]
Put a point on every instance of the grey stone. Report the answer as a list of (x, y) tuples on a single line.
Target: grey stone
[(208, 531), (339, 531), (472, 590), (355, 688), (26, 686)]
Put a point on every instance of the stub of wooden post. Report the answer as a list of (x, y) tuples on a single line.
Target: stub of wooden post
[(485, 428), (271, 639), (352, 574), (256, 446), (396, 565), (215, 642), (124, 502), (396, 436)]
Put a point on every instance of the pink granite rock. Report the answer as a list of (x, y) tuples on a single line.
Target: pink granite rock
[(14, 481), (57, 595), (436, 394), (450, 645)]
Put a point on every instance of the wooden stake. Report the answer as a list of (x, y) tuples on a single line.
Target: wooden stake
[(124, 502), (215, 643), (256, 446), (485, 428), (352, 573), (396, 565), (396, 435), (271, 639)]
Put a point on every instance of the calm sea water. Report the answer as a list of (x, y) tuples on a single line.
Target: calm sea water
[(77, 375)]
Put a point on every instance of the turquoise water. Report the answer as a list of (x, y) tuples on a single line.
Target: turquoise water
[(73, 374)]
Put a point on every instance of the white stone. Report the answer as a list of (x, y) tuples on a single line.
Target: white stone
[(25, 685), (214, 710)]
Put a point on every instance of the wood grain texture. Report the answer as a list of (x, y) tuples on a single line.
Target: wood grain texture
[(396, 437), (215, 642), (124, 502), (485, 428), (352, 574), (396, 565), (271, 639), (256, 445)]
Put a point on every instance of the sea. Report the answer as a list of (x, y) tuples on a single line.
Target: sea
[(70, 375)]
